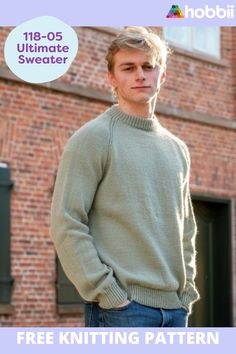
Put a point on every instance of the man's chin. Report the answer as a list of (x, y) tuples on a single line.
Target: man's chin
[(145, 99)]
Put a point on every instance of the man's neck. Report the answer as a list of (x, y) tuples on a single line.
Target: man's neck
[(142, 110)]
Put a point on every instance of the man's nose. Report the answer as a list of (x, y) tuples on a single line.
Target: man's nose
[(140, 75)]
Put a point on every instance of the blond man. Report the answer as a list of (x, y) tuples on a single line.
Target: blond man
[(122, 218)]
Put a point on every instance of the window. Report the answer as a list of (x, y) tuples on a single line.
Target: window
[(66, 291), (68, 297), (204, 40), (6, 280)]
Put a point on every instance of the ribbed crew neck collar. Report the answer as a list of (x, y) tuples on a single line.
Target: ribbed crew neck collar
[(134, 121)]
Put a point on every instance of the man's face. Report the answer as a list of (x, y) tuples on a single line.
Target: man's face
[(135, 76)]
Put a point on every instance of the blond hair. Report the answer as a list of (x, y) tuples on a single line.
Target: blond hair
[(139, 38)]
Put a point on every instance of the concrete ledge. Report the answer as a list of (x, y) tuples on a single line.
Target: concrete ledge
[(196, 117), (70, 309), (7, 309)]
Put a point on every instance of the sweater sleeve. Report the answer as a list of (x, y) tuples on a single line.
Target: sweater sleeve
[(189, 294), (79, 174)]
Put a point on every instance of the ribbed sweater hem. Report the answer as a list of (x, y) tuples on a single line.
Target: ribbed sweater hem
[(114, 296), (154, 298)]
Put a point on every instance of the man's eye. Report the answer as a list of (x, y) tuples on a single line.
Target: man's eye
[(129, 68), (148, 67)]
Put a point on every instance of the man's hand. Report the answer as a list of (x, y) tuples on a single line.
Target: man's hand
[(126, 302)]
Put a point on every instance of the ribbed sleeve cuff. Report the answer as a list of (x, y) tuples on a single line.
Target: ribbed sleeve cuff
[(189, 296), (113, 296)]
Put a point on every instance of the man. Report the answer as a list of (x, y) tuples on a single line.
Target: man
[(122, 219)]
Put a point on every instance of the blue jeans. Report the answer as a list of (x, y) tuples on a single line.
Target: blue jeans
[(134, 315)]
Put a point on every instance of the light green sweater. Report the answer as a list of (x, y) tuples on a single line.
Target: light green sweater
[(122, 218)]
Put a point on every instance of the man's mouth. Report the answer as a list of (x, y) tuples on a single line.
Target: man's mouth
[(140, 87)]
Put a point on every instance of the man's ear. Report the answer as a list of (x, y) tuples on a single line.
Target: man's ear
[(163, 77), (111, 79)]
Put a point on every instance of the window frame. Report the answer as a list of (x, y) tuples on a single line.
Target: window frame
[(65, 292), (6, 280)]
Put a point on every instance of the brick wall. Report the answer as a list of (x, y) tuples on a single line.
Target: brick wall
[(36, 121)]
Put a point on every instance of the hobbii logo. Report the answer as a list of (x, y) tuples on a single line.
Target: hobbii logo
[(209, 12)]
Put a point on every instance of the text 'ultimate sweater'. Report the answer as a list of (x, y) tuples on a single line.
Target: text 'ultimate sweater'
[(122, 218)]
